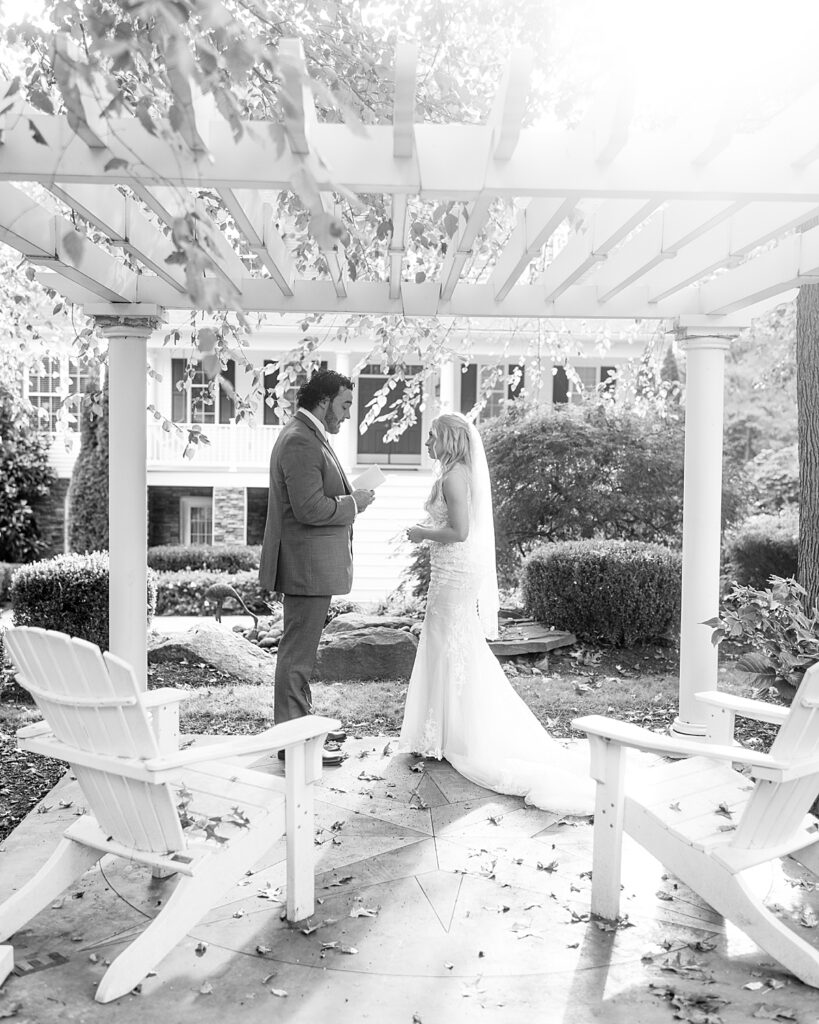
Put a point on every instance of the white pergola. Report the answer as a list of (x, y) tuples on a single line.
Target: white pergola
[(703, 226)]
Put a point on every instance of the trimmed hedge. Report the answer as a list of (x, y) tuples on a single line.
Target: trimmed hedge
[(620, 592), (69, 593), (183, 592), (761, 547), (221, 558)]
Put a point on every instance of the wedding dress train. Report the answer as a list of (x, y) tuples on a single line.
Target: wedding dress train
[(460, 705)]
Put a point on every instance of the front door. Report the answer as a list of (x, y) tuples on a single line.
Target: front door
[(372, 447)]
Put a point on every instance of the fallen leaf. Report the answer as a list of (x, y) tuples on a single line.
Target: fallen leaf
[(661, 894), (448, 965), (280, 992), (417, 767), (263, 950), (808, 918), (206, 989), (754, 986), (551, 866), (339, 881), (495, 819), (348, 949), (364, 912), (724, 810), (675, 806)]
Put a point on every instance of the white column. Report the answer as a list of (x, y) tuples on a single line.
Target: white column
[(702, 503), (127, 488), (346, 445), (447, 384)]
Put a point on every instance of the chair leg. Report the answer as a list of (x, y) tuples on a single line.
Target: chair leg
[(608, 767), (68, 863), (193, 896), (299, 830)]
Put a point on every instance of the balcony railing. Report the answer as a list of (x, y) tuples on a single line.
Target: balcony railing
[(232, 446)]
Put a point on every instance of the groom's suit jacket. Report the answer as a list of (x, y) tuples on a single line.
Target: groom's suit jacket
[(307, 546)]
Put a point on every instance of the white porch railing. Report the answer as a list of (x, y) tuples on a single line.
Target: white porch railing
[(232, 446)]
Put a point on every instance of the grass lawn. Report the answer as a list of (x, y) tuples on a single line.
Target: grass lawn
[(638, 685)]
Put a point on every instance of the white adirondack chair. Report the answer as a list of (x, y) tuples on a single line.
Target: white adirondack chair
[(671, 810), (194, 812)]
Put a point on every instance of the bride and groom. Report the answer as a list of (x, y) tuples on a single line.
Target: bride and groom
[(460, 705)]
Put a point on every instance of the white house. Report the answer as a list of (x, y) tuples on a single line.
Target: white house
[(220, 494)]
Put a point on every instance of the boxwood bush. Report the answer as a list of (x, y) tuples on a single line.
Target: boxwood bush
[(183, 592), (69, 593), (618, 592), (214, 557), (761, 547)]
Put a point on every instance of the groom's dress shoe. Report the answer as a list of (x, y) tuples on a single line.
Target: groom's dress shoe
[(329, 758)]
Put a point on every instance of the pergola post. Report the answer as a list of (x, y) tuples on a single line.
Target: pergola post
[(447, 382), (127, 487), (702, 505)]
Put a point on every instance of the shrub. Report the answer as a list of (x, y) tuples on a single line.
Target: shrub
[(25, 475), (230, 558), (783, 636), (621, 592), (774, 478), (589, 471), (69, 593), (183, 592), (341, 606), (88, 490), (761, 547)]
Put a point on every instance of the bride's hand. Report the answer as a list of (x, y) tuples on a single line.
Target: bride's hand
[(415, 534)]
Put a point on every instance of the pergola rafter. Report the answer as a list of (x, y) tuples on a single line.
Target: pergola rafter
[(702, 229)]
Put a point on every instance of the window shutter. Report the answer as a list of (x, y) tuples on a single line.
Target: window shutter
[(269, 415), (515, 389), (227, 408), (469, 387), (179, 399), (560, 387)]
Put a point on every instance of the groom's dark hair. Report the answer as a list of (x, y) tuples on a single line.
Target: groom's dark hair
[(323, 384)]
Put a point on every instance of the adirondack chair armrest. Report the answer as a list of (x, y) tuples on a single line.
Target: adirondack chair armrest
[(27, 732), (279, 737), (164, 695), (724, 707), (627, 735)]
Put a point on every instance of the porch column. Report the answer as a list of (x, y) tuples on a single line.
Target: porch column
[(127, 487), (346, 444), (702, 502), (447, 382)]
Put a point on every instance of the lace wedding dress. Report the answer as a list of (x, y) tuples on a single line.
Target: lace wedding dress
[(460, 705)]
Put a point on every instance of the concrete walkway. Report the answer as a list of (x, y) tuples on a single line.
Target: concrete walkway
[(439, 902)]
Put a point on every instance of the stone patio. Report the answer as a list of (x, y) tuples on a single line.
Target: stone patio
[(438, 902)]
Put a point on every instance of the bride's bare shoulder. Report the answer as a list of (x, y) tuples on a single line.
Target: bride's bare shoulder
[(456, 478)]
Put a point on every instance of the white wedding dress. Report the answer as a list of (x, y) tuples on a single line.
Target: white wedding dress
[(460, 705)]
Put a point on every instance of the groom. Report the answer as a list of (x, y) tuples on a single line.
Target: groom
[(307, 552)]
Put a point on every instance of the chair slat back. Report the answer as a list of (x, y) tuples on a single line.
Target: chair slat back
[(776, 809), (92, 702)]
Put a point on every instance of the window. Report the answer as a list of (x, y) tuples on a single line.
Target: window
[(196, 520), (44, 391), (504, 384), (193, 402), (281, 412), (591, 377)]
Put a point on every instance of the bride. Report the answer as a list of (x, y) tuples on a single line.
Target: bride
[(460, 705)]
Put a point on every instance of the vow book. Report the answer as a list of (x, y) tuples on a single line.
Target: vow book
[(369, 479)]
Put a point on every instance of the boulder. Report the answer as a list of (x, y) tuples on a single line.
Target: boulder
[(217, 645), (377, 653), (350, 621)]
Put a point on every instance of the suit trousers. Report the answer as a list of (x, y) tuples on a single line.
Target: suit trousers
[(304, 619)]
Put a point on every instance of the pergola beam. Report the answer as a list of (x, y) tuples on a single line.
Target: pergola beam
[(256, 221), (610, 224), (536, 224)]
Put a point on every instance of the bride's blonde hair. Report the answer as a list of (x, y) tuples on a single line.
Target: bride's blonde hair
[(451, 433)]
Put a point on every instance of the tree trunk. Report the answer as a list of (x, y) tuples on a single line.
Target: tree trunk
[(807, 401)]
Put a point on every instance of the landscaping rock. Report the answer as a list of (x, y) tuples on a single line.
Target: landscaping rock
[(216, 645), (350, 621), (378, 653)]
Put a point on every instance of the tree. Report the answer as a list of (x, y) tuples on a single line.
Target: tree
[(88, 491), (25, 476), (807, 399)]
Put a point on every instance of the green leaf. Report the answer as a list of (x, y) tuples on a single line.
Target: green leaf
[(38, 137), (74, 244), (115, 163), (757, 665)]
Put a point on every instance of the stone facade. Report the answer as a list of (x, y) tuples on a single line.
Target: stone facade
[(229, 514), (163, 512)]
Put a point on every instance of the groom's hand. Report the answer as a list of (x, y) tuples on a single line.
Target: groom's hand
[(362, 499)]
